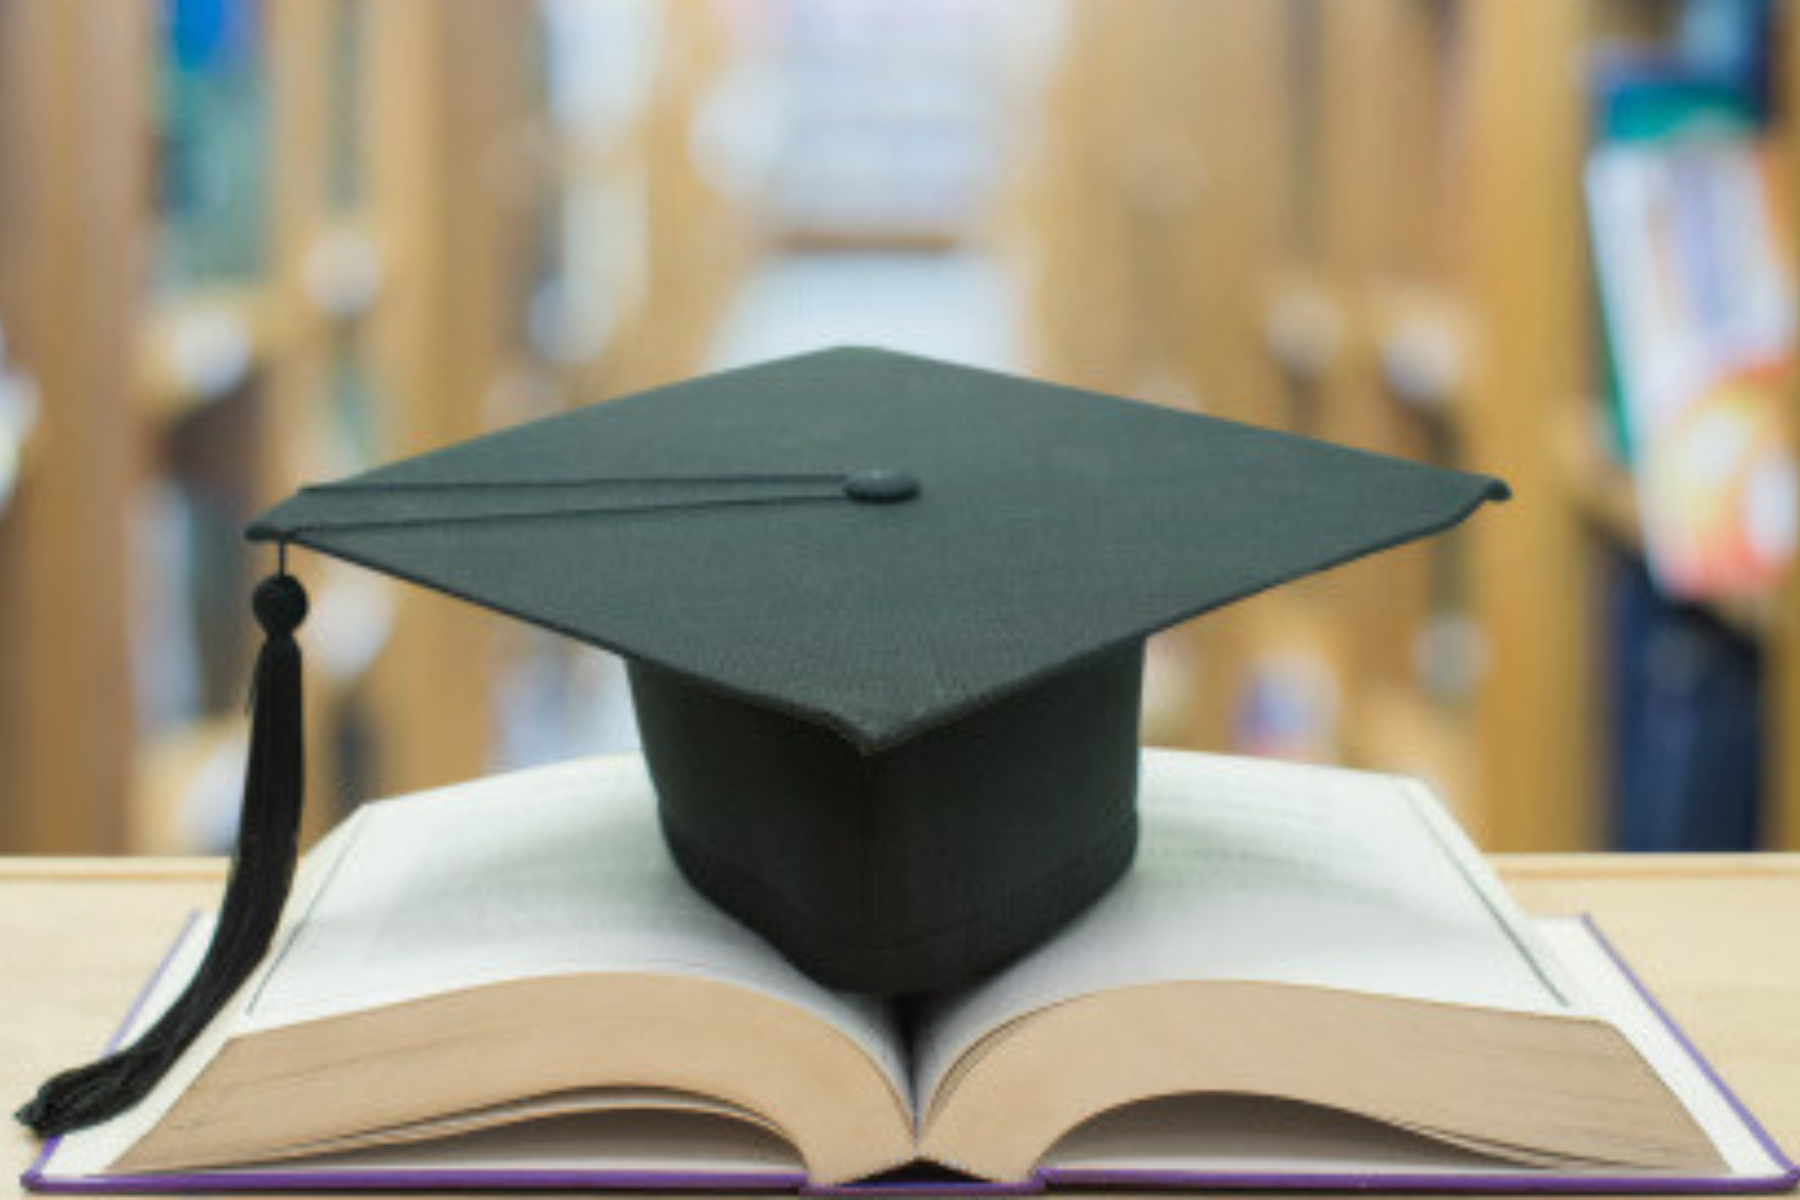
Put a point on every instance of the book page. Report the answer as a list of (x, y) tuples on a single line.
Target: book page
[(1609, 989), (548, 872), (665, 1145), (1212, 1140), (613, 1150), (1257, 871), (1213, 1135)]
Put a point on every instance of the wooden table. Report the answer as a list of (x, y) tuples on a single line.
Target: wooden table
[(1717, 938)]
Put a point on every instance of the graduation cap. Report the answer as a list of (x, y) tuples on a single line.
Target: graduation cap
[(884, 619)]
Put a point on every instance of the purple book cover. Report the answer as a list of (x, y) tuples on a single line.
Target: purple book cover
[(304, 1179)]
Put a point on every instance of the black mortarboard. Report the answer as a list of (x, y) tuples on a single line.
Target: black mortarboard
[(884, 616)]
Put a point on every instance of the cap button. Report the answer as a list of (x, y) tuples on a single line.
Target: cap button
[(880, 486)]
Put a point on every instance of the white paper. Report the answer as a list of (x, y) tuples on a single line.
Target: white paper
[(536, 874), (1264, 872)]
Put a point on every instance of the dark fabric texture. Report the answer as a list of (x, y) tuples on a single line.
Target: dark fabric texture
[(1051, 526), (885, 618), (914, 869)]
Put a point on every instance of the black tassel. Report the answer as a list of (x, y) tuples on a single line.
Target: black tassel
[(262, 871)]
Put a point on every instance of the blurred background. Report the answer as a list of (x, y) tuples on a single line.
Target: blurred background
[(246, 244)]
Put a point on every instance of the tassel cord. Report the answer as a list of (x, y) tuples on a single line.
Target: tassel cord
[(256, 889)]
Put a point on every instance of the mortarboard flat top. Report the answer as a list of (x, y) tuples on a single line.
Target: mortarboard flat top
[(1049, 526)]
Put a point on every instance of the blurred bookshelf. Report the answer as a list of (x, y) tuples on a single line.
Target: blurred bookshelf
[(72, 159), (272, 241), (1367, 221), (310, 235)]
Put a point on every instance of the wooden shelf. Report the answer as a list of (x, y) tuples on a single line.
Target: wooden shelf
[(1304, 326), (1421, 335), (192, 767), (1398, 730), (19, 417), (200, 347), (1601, 489), (72, 92), (1596, 482), (1395, 260), (1388, 256)]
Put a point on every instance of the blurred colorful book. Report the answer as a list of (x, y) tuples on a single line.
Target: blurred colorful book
[(1691, 243), (1688, 738)]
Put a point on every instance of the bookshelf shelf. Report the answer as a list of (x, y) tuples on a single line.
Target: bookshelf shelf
[(1397, 724), (1597, 483), (202, 346), (1407, 270), (180, 772), (71, 89), (1399, 262), (19, 417), (1421, 339), (388, 224), (1601, 489), (1304, 327)]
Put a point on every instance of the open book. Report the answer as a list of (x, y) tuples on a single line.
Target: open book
[(1308, 978)]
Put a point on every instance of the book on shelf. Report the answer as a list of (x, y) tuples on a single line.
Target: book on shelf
[(1688, 204), (1688, 737), (212, 109), (1308, 979)]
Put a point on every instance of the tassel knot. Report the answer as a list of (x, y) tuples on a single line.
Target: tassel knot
[(280, 605)]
